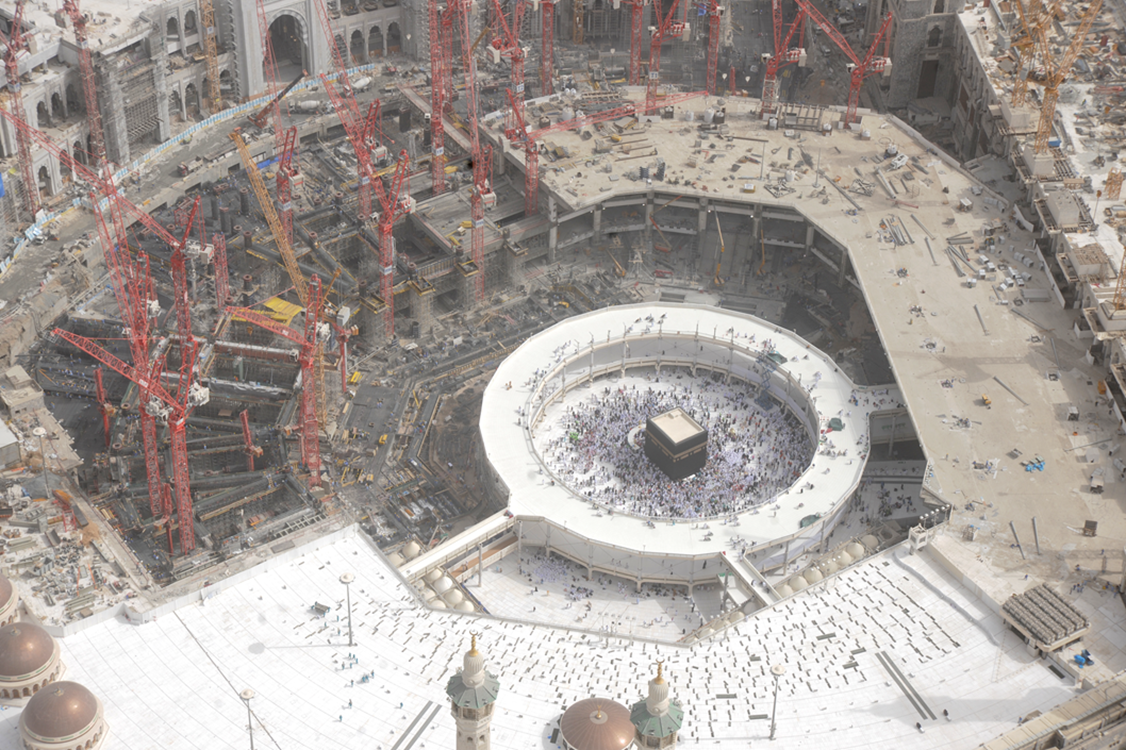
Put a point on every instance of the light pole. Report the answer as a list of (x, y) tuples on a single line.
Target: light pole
[(347, 579), (246, 695), (777, 670)]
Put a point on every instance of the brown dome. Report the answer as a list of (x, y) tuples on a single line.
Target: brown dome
[(597, 724), (60, 711), (25, 648)]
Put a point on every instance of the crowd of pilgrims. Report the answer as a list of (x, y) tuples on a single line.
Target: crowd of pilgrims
[(752, 455)]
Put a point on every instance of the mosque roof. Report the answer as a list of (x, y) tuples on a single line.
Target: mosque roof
[(597, 724), (60, 711), (25, 648)]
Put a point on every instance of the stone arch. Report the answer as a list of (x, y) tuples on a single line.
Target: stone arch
[(190, 26), (939, 6), (356, 45), (341, 47), (79, 152), (394, 39), (175, 103), (289, 37), (27, 691), (65, 170), (42, 116), (74, 102), (375, 42), (58, 108), (934, 37), (225, 81), (172, 28), (191, 98)]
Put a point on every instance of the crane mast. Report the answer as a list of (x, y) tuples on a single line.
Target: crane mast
[(547, 46), (858, 69), (1058, 71), (481, 191), (211, 52), (439, 69), (783, 55), (666, 27), (89, 83), (284, 248)]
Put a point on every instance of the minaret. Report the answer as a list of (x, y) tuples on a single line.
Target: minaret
[(472, 693), (657, 719)]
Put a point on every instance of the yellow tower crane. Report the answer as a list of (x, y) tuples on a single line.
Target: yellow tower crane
[(1057, 71), (1025, 44), (300, 284)]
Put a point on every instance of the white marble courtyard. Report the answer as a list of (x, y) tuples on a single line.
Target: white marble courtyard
[(848, 646)]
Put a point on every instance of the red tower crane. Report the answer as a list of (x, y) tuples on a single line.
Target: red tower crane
[(132, 285), (507, 45), (481, 157), (858, 69), (89, 83), (16, 42), (252, 450), (783, 55), (103, 403), (172, 409), (636, 17), (439, 70), (392, 204), (714, 12), (547, 44), (286, 170), (666, 29), (222, 279), (310, 441)]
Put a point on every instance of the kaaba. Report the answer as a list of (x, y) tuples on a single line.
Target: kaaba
[(676, 443)]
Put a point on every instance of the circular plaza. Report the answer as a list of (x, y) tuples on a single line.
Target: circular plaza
[(571, 430)]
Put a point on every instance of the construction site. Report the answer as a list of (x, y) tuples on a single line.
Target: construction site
[(245, 307)]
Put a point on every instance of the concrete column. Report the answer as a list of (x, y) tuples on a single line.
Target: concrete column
[(422, 310), (111, 98), (844, 267), (647, 232), (160, 81), (809, 233), (553, 233), (597, 224), (701, 226)]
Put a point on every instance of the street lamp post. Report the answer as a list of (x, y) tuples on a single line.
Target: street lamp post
[(246, 695), (347, 579), (777, 670)]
